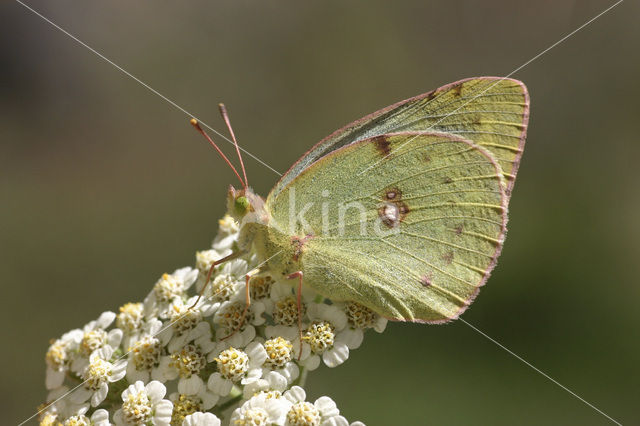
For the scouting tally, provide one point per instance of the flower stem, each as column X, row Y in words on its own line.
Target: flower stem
column 302, row 379
column 236, row 395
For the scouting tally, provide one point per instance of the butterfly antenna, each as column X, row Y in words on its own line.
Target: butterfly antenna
column 195, row 124
column 225, row 117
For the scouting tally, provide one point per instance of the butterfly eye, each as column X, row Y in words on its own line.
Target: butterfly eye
column 242, row 205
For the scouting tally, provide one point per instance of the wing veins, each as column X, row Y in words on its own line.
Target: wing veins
column 435, row 169
column 462, row 98
column 424, row 237
column 473, row 268
column 470, row 124
column 472, row 191
column 363, row 271
column 409, row 274
column 389, row 157
column 479, row 235
column 489, row 206
column 483, row 133
column 429, row 219
column 428, row 264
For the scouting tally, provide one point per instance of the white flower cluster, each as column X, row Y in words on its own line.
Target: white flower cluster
column 170, row 361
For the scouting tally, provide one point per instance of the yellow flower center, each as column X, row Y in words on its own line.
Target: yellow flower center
column 96, row 373
column 320, row 335
column 49, row 419
column 188, row 361
column 222, row 288
column 136, row 409
column 145, row 353
column 233, row 364
column 204, row 259
column 56, row 356
column 303, row 414
column 130, row 317
column 92, row 340
column 260, row 287
column 232, row 318
column 167, row 288
column 360, row 316
column 80, row 420
column 286, row 311
column 253, row 417
column 183, row 406
column 184, row 319
column 278, row 352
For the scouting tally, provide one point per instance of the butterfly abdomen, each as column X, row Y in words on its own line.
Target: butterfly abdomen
column 298, row 246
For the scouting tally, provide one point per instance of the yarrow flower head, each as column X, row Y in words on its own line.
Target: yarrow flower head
column 279, row 369
column 237, row 366
column 59, row 357
column 59, row 407
column 326, row 335
column 93, row 336
column 191, row 407
column 144, row 405
column 226, row 362
column 190, row 361
column 167, row 289
column 54, row 414
column 97, row 376
column 361, row 318
column 146, row 354
column 302, row 413
column 261, row 409
column 130, row 317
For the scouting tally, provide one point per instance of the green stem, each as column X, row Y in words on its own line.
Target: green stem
column 236, row 395
column 302, row 378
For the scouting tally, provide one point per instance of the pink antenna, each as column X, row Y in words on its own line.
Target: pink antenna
column 195, row 124
column 225, row 117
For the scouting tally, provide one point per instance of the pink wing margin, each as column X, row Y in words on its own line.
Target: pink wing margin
column 504, row 202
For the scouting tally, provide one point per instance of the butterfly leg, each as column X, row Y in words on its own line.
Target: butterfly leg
column 298, row 275
column 213, row 265
column 246, row 306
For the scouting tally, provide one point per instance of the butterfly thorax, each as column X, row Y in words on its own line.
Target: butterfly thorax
column 280, row 253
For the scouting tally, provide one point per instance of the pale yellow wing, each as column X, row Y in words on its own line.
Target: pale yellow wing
column 413, row 238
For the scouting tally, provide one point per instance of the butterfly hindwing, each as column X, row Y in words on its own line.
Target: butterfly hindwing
column 492, row 112
column 408, row 224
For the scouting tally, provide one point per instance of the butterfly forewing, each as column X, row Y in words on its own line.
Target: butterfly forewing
column 412, row 237
column 492, row 112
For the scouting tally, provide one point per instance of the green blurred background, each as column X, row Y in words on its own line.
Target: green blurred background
column 104, row 185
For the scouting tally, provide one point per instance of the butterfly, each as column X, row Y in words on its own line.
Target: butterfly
column 403, row 211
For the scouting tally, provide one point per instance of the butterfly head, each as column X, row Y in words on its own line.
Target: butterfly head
column 245, row 206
